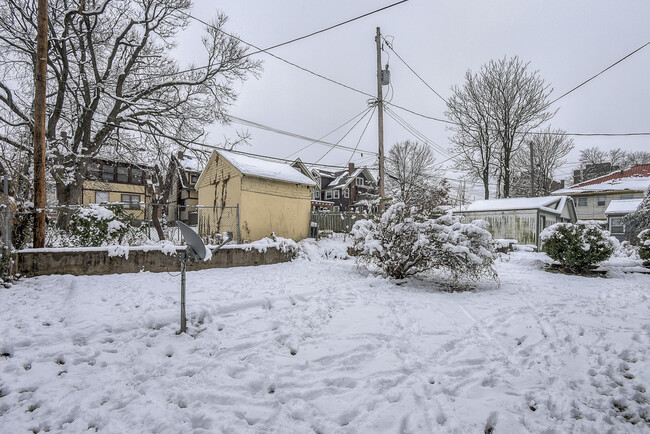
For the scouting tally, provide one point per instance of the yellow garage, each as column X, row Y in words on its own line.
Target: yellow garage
column 269, row 197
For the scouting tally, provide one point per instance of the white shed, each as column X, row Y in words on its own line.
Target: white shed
column 615, row 213
column 520, row 218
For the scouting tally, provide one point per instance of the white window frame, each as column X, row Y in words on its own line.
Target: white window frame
column 356, row 181
column 346, row 193
column 581, row 199
column 336, row 194
column 336, row 209
column 604, row 200
column 627, row 196
column 328, row 194
column 98, row 200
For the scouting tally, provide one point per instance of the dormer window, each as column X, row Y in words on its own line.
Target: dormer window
column 358, row 181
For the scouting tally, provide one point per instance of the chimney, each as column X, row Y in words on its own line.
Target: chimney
column 180, row 155
column 350, row 168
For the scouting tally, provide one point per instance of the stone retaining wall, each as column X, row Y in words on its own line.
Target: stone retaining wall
column 97, row 262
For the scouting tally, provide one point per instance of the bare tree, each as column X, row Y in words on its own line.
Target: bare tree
column 549, row 149
column 502, row 103
column 637, row 157
column 592, row 156
column 469, row 109
column 413, row 177
column 113, row 88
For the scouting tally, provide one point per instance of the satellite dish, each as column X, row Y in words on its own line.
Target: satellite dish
column 196, row 250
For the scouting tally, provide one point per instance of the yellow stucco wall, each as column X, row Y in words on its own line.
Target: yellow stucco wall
column 115, row 191
column 271, row 206
column 265, row 205
column 219, row 186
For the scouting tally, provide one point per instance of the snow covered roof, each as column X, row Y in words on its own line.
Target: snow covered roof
column 260, row 168
column 553, row 204
column 619, row 184
column 624, row 206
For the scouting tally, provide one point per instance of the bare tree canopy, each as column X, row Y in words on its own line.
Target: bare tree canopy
column 493, row 113
column 112, row 84
column 412, row 176
column 548, row 151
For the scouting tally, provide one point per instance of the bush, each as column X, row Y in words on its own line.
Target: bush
column 404, row 242
column 577, row 246
column 644, row 245
column 97, row 225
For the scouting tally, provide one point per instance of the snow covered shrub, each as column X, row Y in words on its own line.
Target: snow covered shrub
column 403, row 242
column 97, row 225
column 644, row 245
column 577, row 246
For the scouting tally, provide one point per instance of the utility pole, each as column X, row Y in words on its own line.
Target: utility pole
column 380, row 122
column 532, row 171
column 39, row 125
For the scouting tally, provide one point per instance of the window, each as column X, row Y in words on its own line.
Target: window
column 131, row 201
column 193, row 178
column 328, row 194
column 358, row 181
column 582, row 201
column 336, row 209
column 136, row 175
column 122, row 174
column 627, row 196
column 616, row 225
column 346, row 193
column 601, row 200
column 316, row 195
column 93, row 170
column 102, row 197
column 108, row 173
column 336, row 194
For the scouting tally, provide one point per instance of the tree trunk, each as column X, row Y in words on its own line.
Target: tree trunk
column 68, row 195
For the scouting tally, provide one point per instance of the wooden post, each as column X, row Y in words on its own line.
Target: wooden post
column 380, row 122
column 532, row 171
column 39, row 125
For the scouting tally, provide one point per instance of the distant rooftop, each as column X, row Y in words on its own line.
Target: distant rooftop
column 634, row 178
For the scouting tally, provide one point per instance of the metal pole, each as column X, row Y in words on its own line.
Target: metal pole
column 183, row 258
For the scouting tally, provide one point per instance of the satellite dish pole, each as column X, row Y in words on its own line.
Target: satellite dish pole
column 195, row 251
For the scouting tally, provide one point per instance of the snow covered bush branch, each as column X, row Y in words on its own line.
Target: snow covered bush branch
column 404, row 242
column 97, row 225
column 577, row 246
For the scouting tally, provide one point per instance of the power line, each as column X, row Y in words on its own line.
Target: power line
column 418, row 135
column 389, row 45
column 591, row 78
column 362, row 133
column 218, row 148
column 290, row 134
column 331, row 132
column 344, row 136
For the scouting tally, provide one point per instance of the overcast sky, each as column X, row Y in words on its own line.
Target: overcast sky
column 567, row 41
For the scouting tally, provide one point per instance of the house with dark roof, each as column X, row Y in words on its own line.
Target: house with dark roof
column 345, row 190
column 594, row 196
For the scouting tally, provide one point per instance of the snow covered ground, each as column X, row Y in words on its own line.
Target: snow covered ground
column 317, row 346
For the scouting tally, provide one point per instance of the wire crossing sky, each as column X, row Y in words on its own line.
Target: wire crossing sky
column 565, row 41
